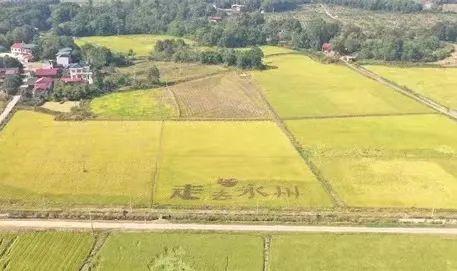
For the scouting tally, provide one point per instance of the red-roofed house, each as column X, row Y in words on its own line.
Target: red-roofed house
column 23, row 50
column 43, row 86
column 5, row 72
column 327, row 47
column 49, row 72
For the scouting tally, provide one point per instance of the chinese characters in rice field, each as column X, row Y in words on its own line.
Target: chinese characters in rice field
column 230, row 188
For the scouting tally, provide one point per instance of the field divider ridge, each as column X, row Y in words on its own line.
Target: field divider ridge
column 155, row 176
column 99, row 242
column 334, row 197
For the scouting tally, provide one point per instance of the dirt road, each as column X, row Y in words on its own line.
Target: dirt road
column 8, row 108
column 16, row 224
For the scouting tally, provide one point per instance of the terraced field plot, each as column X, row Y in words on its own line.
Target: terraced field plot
column 133, row 251
column 363, row 252
column 149, row 104
column 47, row 251
column 46, row 162
column 233, row 164
column 142, row 45
column 298, row 86
column 439, row 84
column 172, row 72
column 395, row 161
column 60, row 107
column 222, row 96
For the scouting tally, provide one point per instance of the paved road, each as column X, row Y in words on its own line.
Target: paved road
column 8, row 108
column 158, row 226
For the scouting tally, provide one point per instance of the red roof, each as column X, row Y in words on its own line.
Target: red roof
column 52, row 72
column 327, row 47
column 17, row 45
column 43, row 84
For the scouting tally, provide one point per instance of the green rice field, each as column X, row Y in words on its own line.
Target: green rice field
column 298, row 86
column 135, row 104
column 142, row 45
column 439, row 84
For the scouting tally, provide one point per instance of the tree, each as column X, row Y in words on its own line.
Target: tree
column 12, row 84
column 153, row 74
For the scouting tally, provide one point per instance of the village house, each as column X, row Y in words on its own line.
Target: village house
column 79, row 73
column 237, row 8
column 47, row 72
column 63, row 57
column 43, row 86
column 23, row 51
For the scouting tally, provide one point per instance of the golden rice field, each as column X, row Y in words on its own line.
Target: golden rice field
column 233, row 164
column 298, row 86
column 395, row 161
column 142, row 45
column 439, row 84
column 47, row 162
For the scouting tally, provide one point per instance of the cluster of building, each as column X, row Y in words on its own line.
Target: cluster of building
column 41, row 78
column 234, row 9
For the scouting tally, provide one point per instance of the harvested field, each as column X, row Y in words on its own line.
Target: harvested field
column 347, row 252
column 49, row 163
column 233, row 164
column 227, row 96
column 439, row 84
column 142, row 45
column 137, row 251
column 172, row 72
column 60, row 107
column 275, row 50
column 149, row 104
column 395, row 161
column 298, row 87
column 47, row 251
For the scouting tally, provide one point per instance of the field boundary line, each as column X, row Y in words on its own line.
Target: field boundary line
column 334, row 197
column 99, row 242
column 157, row 163
column 404, row 90
column 8, row 109
column 4, row 256
column 71, row 225
column 361, row 116
column 267, row 252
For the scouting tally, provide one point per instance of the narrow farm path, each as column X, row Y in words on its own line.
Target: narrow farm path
column 8, row 108
column 44, row 224
column 403, row 90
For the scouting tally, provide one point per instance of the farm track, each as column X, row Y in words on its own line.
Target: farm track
column 145, row 226
column 336, row 200
column 9, row 107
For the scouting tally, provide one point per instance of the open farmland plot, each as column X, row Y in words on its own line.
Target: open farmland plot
column 172, row 72
column 298, row 86
column 133, row 251
column 439, row 84
column 233, row 164
column 47, row 251
column 396, row 161
column 93, row 162
column 136, row 105
column 142, row 45
column 221, row 96
column 363, row 252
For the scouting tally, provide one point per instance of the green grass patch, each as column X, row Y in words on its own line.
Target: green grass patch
column 275, row 50
column 298, row 86
column 401, row 161
column 439, row 84
column 48, row 251
column 135, row 104
column 47, row 162
column 137, row 251
column 256, row 162
column 363, row 252
column 142, row 45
